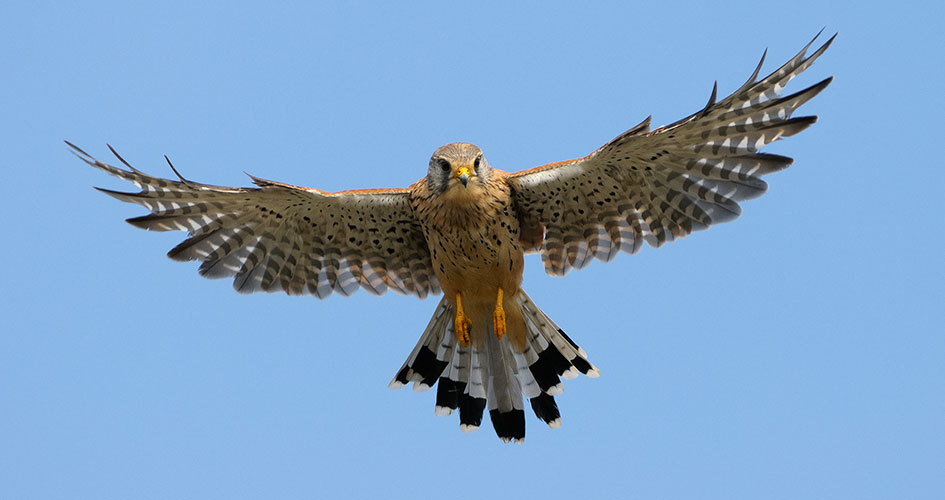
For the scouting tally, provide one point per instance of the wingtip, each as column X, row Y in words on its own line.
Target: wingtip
column 259, row 181
column 822, row 48
column 80, row 153
column 754, row 74
column 812, row 40
column 712, row 97
column 256, row 180
column 122, row 160
column 828, row 42
column 181, row 177
column 824, row 83
column 73, row 146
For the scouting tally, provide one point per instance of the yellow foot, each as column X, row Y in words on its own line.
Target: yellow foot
column 498, row 317
column 461, row 323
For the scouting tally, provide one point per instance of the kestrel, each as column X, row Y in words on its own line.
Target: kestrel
column 464, row 228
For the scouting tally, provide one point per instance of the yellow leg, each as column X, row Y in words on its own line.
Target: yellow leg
column 498, row 317
column 461, row 323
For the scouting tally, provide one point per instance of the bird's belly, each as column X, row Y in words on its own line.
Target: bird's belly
column 476, row 263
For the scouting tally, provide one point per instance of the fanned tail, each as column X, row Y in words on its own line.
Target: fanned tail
column 496, row 373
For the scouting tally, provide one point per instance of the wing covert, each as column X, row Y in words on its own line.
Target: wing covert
column 655, row 186
column 278, row 237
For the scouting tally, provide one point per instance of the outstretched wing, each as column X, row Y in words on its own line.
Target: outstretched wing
column 660, row 185
column 278, row 237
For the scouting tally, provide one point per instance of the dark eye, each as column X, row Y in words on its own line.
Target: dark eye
column 476, row 162
column 444, row 165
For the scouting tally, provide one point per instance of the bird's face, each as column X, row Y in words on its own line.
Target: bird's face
column 458, row 169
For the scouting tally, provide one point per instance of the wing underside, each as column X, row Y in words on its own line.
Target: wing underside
column 655, row 186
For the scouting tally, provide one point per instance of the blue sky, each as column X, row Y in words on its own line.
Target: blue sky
column 796, row 352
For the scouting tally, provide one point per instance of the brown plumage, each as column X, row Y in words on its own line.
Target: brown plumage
column 464, row 229
column 472, row 231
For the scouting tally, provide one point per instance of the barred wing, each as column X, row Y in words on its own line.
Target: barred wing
column 660, row 185
column 278, row 237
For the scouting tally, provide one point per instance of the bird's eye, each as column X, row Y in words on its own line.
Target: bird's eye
column 476, row 162
column 444, row 165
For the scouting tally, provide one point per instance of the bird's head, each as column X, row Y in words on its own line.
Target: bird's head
column 458, row 167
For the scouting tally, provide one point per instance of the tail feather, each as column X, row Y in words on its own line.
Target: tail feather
column 505, row 393
column 538, row 321
column 424, row 364
column 546, row 408
column 509, row 426
column 448, row 392
column 476, row 384
column 526, row 379
column 473, row 401
column 495, row 374
column 470, row 412
column 450, row 388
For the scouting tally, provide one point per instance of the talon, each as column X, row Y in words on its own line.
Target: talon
column 498, row 317
column 461, row 323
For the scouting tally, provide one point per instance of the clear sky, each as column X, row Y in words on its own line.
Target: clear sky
column 797, row 352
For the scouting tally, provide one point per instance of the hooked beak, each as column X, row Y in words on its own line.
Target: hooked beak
column 463, row 175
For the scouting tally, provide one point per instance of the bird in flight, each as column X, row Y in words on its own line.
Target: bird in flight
column 464, row 228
